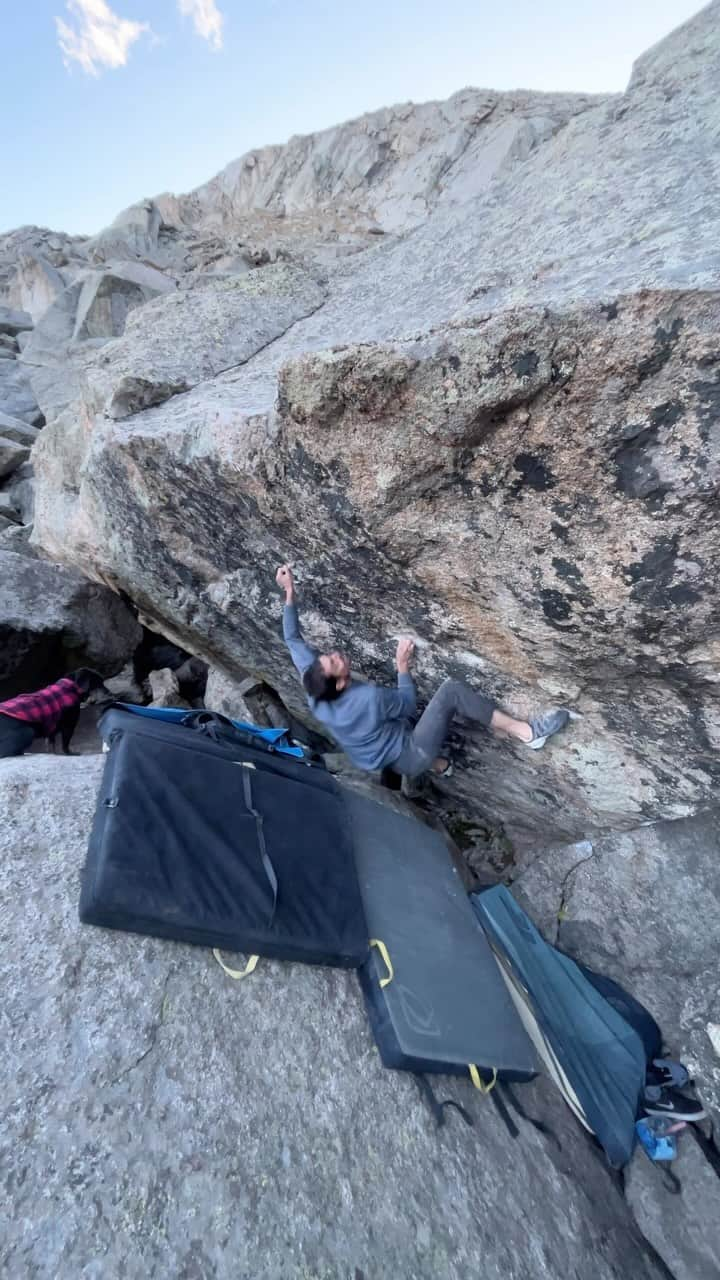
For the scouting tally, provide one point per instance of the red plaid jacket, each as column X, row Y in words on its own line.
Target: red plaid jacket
column 45, row 707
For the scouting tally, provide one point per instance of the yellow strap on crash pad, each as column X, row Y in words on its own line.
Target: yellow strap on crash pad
column 377, row 942
column 237, row 974
column 478, row 1080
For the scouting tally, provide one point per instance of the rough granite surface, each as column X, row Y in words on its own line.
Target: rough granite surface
column 459, row 362
column 159, row 1119
column 495, row 427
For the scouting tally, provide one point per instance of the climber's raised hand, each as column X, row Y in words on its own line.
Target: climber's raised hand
column 285, row 580
column 405, row 651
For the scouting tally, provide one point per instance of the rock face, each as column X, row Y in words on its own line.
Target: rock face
column 13, row 322
column 17, row 399
column 575, row 449
column 228, row 696
column 107, row 298
column 124, row 687
column 12, row 454
column 223, row 324
column 458, row 362
column 20, row 419
column 15, row 537
column 515, row 456
column 35, row 265
column 20, row 490
column 16, row 395
column 389, row 169
column 16, row 429
column 565, row 464
column 52, row 620
column 165, row 689
column 168, row 1121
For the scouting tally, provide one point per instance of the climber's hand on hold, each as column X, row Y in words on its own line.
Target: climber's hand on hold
column 286, row 582
column 403, row 656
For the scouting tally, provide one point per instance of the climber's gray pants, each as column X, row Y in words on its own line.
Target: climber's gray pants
column 425, row 743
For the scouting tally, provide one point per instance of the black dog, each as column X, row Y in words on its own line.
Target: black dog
column 88, row 681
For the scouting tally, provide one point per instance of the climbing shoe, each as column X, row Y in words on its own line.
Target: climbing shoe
column 545, row 726
column 659, row 1101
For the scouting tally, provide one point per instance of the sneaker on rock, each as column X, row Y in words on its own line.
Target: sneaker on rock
column 658, row 1101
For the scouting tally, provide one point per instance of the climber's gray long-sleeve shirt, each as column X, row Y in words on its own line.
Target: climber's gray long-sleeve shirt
column 367, row 721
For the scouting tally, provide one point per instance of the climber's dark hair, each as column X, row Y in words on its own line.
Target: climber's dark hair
column 319, row 686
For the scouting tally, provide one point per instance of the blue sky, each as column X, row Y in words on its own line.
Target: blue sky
column 122, row 99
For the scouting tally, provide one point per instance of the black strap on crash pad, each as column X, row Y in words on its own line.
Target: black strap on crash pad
column 219, row 728
column 264, row 855
column 438, row 1108
column 519, row 1110
column 499, row 1104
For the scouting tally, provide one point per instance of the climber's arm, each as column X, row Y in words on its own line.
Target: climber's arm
column 300, row 652
column 400, row 703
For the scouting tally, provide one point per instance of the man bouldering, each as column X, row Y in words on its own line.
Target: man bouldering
column 371, row 723
column 52, row 710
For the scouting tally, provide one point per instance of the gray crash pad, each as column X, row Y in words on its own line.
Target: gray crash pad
column 446, row 1005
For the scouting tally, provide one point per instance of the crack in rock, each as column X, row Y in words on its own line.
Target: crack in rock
column 159, row 1022
column 566, row 887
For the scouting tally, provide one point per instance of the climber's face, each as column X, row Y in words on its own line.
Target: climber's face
column 336, row 664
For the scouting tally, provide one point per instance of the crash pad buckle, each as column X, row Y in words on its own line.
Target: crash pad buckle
column 478, row 1080
column 237, row 974
column 377, row 942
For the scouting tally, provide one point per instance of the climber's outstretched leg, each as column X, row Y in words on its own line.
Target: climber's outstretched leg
column 454, row 698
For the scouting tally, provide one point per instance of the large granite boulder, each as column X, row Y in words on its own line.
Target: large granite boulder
column 8, row 510
column 229, row 696
column 13, row 321
column 177, row 342
column 523, row 496
column 170, row 340
column 36, row 283
column 17, row 398
column 160, row 1119
column 93, row 308
column 19, row 490
column 133, row 233
column 107, row 298
column 52, row 619
column 165, row 689
column 35, row 265
column 18, row 430
column 12, row 455
column 16, row 537
column 513, row 456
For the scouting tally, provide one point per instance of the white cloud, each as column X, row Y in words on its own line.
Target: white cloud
column 207, row 19
column 99, row 38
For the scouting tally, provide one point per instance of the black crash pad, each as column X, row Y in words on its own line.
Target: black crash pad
column 176, row 851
